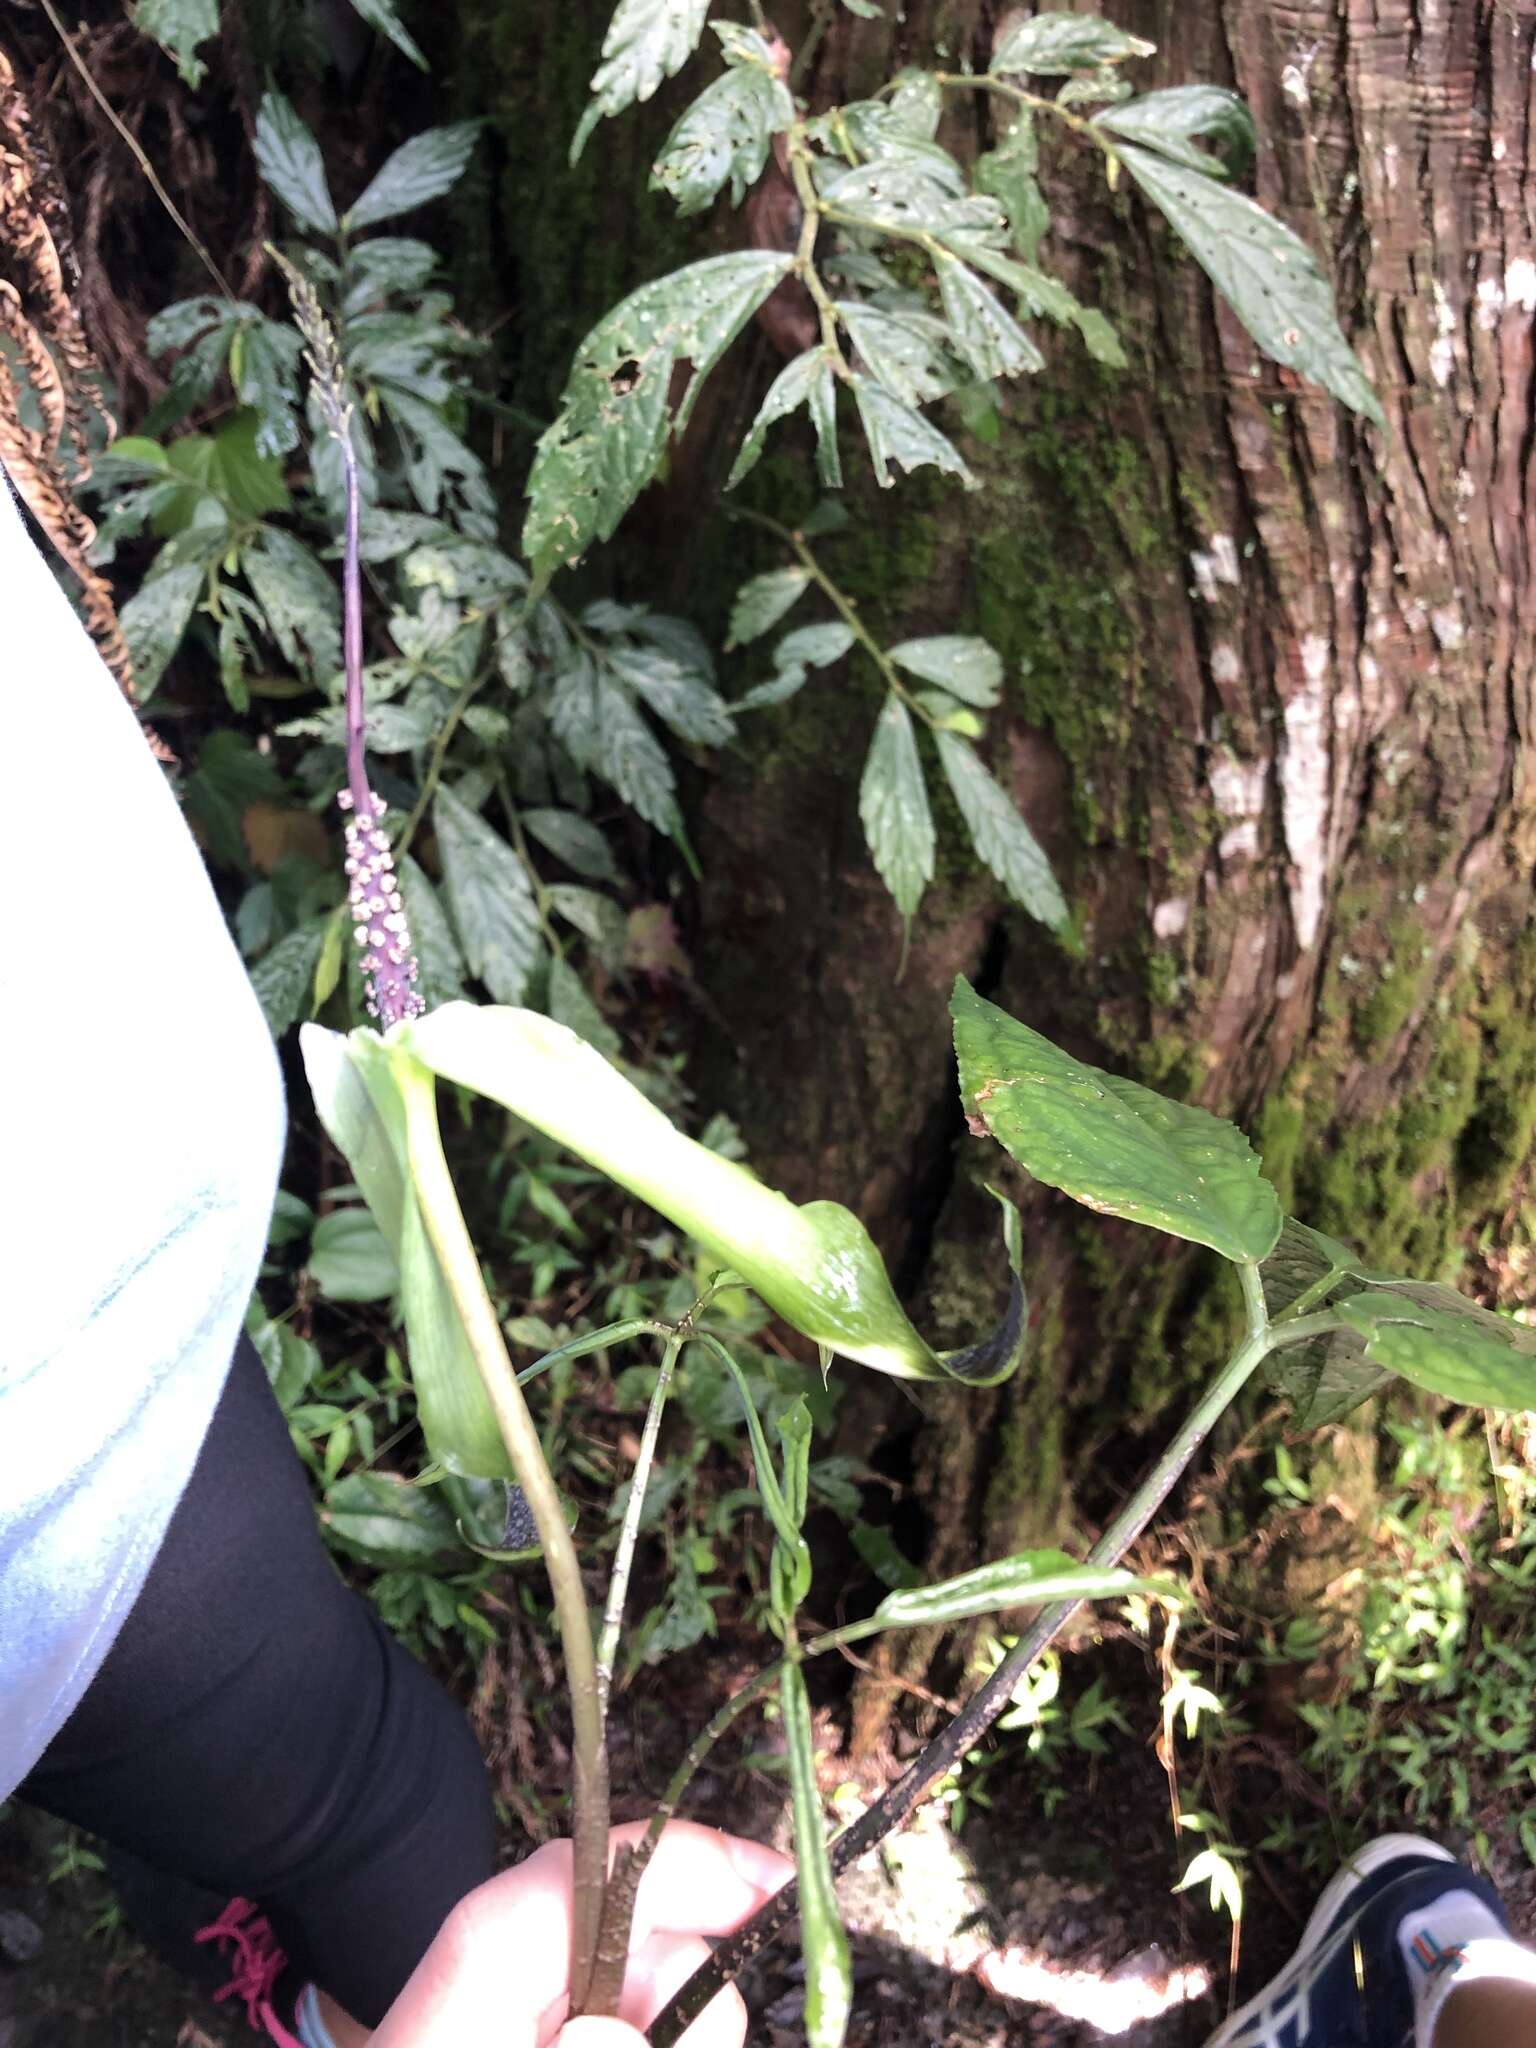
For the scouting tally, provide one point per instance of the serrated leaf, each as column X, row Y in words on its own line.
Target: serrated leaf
column 285, row 975
column 573, row 839
column 647, row 41
column 299, row 599
column 597, row 724
column 570, row 1004
column 984, row 331
column 180, row 27
column 617, row 413
column 1170, row 122
column 779, row 688
column 154, row 620
column 725, row 136
column 1002, row 840
column 1446, row 1344
column 1009, row 174
column 806, row 381
column 906, row 351
column 893, row 807
column 961, row 663
column 381, row 14
column 421, row 169
column 679, row 696
column 814, row 646
column 438, row 958
column 762, row 602
column 489, row 898
column 289, row 160
column 1110, row 1143
column 1052, row 44
column 897, row 434
column 1267, row 275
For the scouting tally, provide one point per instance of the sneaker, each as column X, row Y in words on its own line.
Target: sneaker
column 243, row 1934
column 1387, row 1926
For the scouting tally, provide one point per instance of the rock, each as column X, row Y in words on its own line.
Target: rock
column 21, row 1938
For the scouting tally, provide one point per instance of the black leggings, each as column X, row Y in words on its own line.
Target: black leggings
column 256, row 1729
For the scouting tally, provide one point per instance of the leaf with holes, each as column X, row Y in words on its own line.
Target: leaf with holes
column 806, row 381
column 289, row 160
column 896, row 434
column 893, row 807
column 907, row 352
column 1000, row 836
column 1109, row 1143
column 1267, row 275
column 489, row 898
column 647, row 41
column 984, row 331
column 1052, row 44
column 617, row 414
column 725, row 136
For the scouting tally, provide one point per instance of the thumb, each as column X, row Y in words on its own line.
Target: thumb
column 593, row 2033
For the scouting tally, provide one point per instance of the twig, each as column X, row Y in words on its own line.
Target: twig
column 988, row 1702
column 624, row 1556
column 137, row 149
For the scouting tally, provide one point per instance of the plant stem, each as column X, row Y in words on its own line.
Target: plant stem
column 624, row 1556
column 989, row 1701
column 811, row 214
column 450, row 1241
column 435, row 760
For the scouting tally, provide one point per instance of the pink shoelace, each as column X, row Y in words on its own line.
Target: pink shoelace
column 256, row 1963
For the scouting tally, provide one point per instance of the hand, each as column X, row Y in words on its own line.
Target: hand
column 499, row 1968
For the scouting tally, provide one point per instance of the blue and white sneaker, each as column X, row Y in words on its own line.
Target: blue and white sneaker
column 1388, row 1931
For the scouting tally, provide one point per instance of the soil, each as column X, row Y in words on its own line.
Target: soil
column 1023, row 1929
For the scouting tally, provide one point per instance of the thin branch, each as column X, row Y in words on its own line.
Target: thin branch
column 629, row 1534
column 137, row 150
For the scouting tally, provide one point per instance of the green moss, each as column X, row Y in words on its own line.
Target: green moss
column 1399, row 987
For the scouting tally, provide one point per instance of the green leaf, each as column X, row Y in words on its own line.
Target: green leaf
column 617, row 411
column 1052, row 44
column 489, row 898
column 647, row 41
column 828, row 1965
column 349, row 1259
column 1269, row 277
column 180, row 27
column 153, row 621
column 597, row 724
column 806, row 381
column 814, row 646
column 437, row 950
column 420, row 170
column 763, row 601
column 985, row 332
column 290, row 1361
column 569, row 1003
column 264, row 360
column 779, row 688
column 1027, row 1579
column 968, row 667
column 299, row 599
column 1330, row 1375
column 726, row 134
column 394, row 1526
column 815, row 1265
column 1009, row 174
column 284, row 976
column 1002, row 840
column 381, row 14
column 916, row 103
column 893, row 806
column 573, row 839
column 1109, row 1143
column 677, row 692
column 897, row 434
column 906, row 352
column 1442, row 1342
column 289, row 160
column 1170, row 122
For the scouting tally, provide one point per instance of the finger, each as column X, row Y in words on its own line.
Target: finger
column 599, row 2034
column 659, row 1969
column 701, row 1881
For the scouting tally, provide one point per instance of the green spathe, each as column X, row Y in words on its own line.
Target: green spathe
column 1027, row 1579
column 1111, row 1144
